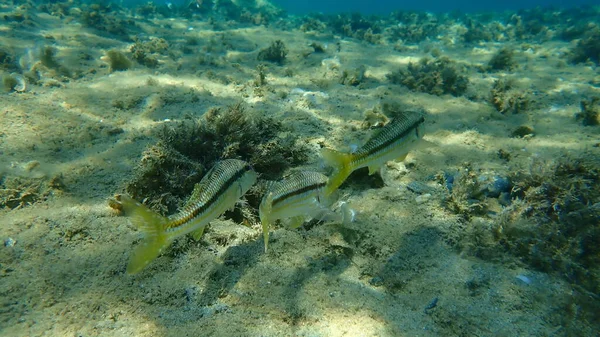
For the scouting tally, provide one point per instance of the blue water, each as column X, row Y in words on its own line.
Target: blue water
column 386, row 6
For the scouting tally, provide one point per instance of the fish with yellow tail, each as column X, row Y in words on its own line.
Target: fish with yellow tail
column 393, row 142
column 297, row 198
column 217, row 192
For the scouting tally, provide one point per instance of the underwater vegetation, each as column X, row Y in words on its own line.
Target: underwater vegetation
column 436, row 77
column 587, row 48
column 7, row 60
column 275, row 53
column 502, row 60
column 590, row 112
column 100, row 16
column 168, row 170
column 506, row 97
column 555, row 225
column 142, row 51
column 353, row 77
column 117, row 61
column 550, row 218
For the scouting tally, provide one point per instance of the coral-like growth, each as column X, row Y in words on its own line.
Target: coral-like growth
column 503, row 60
column 590, row 112
column 506, row 98
column 436, row 77
column 276, row 53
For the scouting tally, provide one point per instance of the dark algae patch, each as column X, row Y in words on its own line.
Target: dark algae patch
column 590, row 112
column 550, row 221
column 186, row 150
column 275, row 53
column 434, row 76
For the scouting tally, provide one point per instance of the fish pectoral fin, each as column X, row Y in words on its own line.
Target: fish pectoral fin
column 197, row 234
column 423, row 144
column 295, row 222
column 401, row 158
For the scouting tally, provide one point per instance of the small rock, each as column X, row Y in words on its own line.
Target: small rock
column 423, row 198
column 376, row 281
column 10, row 242
column 418, row 187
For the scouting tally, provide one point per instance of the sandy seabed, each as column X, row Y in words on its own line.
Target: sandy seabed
column 67, row 145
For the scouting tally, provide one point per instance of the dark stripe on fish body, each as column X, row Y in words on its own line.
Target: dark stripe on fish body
column 298, row 192
column 395, row 130
column 195, row 211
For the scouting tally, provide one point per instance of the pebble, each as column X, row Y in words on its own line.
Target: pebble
column 523, row 279
column 423, row 198
column 376, row 281
column 21, row 84
column 10, row 242
column 432, row 304
column 418, row 187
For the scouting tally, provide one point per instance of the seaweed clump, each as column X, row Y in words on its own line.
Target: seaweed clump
column 117, row 61
column 477, row 32
column 508, row 99
column 7, row 60
column 412, row 27
column 353, row 77
column 590, row 112
column 587, row 49
column 143, row 52
column 356, row 26
column 48, row 59
column 98, row 16
column 185, row 150
column 466, row 196
column 502, row 60
column 549, row 222
column 275, row 53
column 436, row 77
column 553, row 223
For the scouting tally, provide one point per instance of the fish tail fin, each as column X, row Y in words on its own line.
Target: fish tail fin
column 146, row 252
column 264, row 212
column 151, row 224
column 341, row 168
